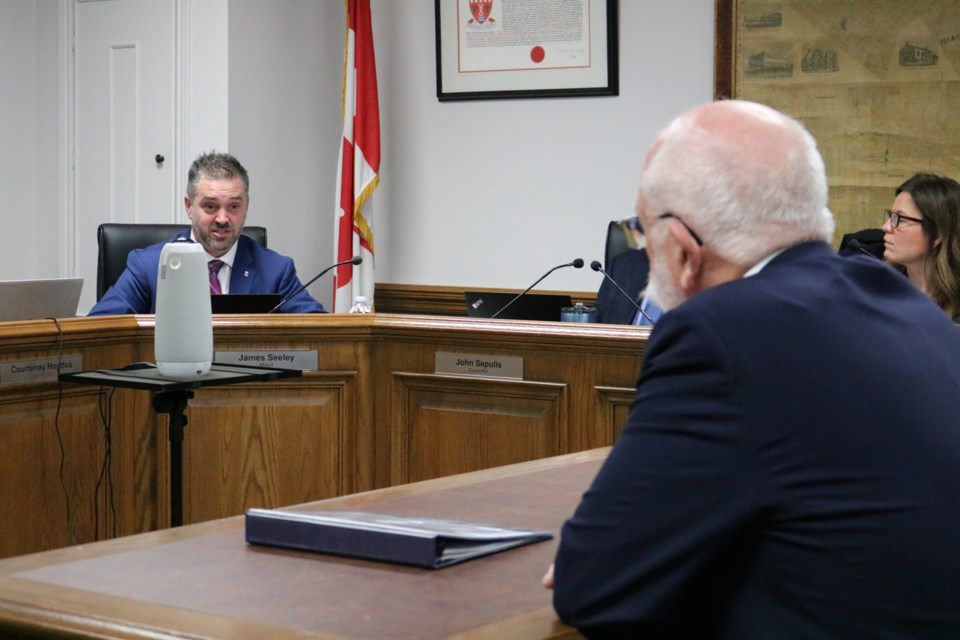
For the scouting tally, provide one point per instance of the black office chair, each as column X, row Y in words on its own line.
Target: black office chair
column 619, row 239
column 870, row 241
column 115, row 240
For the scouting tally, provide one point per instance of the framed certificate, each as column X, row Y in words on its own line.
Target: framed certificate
column 495, row 49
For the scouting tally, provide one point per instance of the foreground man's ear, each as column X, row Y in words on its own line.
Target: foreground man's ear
column 686, row 259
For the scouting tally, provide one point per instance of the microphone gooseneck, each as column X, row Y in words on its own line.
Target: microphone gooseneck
column 596, row 266
column 354, row 260
column 576, row 264
column 856, row 245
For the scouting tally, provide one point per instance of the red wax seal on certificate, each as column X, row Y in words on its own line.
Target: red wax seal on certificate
column 537, row 54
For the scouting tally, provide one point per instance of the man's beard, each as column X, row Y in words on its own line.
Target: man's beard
column 216, row 244
column 661, row 288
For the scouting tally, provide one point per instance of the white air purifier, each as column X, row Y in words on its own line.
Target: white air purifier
column 183, row 341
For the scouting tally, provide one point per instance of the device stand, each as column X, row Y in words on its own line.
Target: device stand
column 171, row 397
column 174, row 403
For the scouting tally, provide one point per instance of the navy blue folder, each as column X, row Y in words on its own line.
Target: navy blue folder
column 411, row 540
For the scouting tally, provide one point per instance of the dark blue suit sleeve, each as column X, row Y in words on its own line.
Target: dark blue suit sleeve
column 676, row 490
column 134, row 291
column 257, row 269
column 303, row 302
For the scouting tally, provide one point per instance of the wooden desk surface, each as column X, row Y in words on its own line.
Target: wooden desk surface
column 204, row 581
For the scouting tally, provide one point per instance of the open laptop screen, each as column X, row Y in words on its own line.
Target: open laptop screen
column 532, row 306
column 37, row 299
column 244, row 302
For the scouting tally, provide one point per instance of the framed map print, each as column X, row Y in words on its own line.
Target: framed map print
column 877, row 82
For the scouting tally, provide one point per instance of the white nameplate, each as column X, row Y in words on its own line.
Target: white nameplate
column 39, row 370
column 299, row 360
column 478, row 364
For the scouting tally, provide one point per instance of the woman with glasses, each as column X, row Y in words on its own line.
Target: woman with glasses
column 922, row 237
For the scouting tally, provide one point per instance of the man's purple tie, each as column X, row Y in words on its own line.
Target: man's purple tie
column 214, row 267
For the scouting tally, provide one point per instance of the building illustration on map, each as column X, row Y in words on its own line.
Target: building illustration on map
column 764, row 20
column 816, row 60
column 764, row 65
column 913, row 56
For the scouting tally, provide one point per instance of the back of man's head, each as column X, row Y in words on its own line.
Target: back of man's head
column 748, row 178
column 215, row 166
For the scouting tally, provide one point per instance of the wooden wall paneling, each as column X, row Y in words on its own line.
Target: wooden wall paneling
column 33, row 505
column 442, row 425
column 591, row 374
column 346, row 356
column 375, row 413
column 141, row 470
column 577, row 357
column 267, row 445
column 444, row 300
column 612, row 408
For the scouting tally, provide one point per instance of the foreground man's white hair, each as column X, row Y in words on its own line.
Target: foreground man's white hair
column 746, row 177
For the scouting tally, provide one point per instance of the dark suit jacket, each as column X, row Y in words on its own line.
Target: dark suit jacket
column 628, row 269
column 789, row 468
column 255, row 270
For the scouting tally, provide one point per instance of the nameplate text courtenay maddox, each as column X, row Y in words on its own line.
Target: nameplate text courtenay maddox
column 478, row 364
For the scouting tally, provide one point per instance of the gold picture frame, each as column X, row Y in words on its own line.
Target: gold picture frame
column 877, row 82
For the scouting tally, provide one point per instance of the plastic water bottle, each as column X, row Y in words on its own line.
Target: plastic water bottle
column 360, row 305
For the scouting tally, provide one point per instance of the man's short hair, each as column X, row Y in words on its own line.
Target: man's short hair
column 215, row 166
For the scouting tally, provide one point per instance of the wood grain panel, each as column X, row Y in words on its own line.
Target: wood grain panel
column 34, row 509
column 445, row 425
column 93, row 501
column 613, row 407
column 373, row 415
column 265, row 445
column 443, row 301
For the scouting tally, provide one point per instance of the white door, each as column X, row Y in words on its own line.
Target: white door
column 124, row 79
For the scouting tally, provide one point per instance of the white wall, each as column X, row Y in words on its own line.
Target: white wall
column 286, row 68
column 494, row 193
column 205, row 102
column 485, row 194
column 48, row 262
column 18, row 131
column 480, row 194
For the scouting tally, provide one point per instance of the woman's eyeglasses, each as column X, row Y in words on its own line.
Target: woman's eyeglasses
column 895, row 218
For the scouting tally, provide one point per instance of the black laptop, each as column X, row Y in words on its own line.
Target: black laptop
column 532, row 306
column 244, row 302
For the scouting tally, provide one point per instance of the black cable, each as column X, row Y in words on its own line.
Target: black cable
column 113, row 505
column 56, row 426
column 105, row 406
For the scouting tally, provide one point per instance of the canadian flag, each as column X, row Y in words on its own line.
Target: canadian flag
column 358, row 173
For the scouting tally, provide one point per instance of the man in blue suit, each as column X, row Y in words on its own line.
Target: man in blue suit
column 218, row 196
column 629, row 270
column 789, row 468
